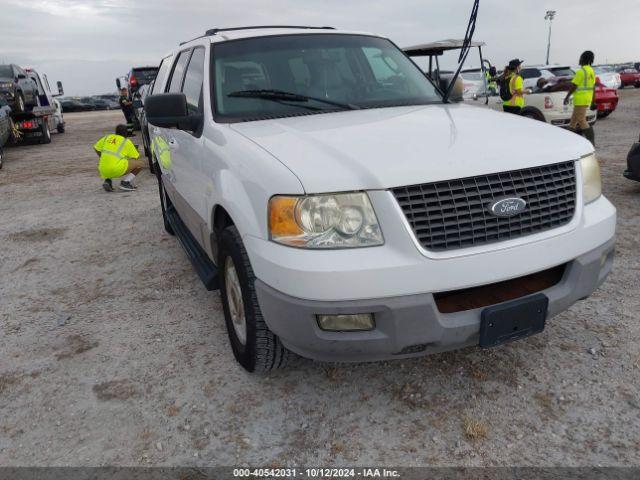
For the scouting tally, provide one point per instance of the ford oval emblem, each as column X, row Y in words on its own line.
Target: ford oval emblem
column 507, row 207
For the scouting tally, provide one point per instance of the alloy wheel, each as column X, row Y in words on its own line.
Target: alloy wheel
column 235, row 301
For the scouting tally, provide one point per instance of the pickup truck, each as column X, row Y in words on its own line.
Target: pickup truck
column 347, row 211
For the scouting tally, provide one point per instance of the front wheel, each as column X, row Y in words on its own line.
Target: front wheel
column 254, row 346
column 20, row 106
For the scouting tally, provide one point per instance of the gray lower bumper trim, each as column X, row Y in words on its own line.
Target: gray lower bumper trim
column 410, row 325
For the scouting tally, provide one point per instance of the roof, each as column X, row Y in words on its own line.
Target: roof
column 223, row 35
column 438, row 48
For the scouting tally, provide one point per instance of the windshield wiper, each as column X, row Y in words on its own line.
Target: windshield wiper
column 279, row 95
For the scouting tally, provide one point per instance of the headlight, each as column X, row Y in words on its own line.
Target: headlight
column 6, row 86
column 591, row 181
column 341, row 220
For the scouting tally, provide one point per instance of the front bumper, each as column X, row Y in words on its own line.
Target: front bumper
column 408, row 326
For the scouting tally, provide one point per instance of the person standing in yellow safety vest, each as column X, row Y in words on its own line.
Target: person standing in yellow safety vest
column 516, row 88
column 118, row 158
column 583, row 89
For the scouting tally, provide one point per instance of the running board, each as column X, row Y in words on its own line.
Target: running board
column 201, row 262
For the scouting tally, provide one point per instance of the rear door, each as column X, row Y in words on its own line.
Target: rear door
column 177, row 143
column 192, row 143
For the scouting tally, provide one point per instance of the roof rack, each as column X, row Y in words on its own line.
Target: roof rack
column 213, row 31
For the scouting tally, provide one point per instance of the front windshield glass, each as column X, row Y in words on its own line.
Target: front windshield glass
column 324, row 72
column 472, row 76
column 5, row 71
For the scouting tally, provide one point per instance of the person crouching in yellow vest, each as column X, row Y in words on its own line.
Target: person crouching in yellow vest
column 583, row 91
column 118, row 158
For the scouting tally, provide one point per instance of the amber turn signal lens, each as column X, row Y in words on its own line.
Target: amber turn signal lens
column 282, row 217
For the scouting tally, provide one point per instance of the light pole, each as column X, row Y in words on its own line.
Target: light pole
column 550, row 15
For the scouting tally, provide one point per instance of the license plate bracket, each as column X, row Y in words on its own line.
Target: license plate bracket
column 513, row 320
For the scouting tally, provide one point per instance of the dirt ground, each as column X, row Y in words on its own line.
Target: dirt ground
column 113, row 353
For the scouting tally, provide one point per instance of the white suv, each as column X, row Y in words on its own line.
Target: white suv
column 346, row 213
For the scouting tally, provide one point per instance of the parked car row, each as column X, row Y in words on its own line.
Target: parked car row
column 85, row 104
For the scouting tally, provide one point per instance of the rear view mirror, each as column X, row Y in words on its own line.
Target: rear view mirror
column 169, row 110
column 118, row 83
column 21, row 76
column 60, row 89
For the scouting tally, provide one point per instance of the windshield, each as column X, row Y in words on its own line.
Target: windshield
column 472, row 76
column 318, row 72
column 5, row 71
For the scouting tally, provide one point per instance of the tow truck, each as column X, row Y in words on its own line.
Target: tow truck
column 37, row 123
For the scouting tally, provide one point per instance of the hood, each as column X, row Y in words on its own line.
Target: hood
column 390, row 147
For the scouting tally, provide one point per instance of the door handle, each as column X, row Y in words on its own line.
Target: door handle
column 173, row 143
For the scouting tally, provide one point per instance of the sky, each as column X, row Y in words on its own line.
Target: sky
column 86, row 44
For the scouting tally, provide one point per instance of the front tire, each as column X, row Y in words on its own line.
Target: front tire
column 254, row 346
column 20, row 105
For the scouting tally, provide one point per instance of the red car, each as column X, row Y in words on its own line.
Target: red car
column 606, row 99
column 629, row 76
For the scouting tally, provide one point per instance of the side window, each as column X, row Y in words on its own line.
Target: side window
column 46, row 82
column 162, row 75
column 178, row 72
column 193, row 81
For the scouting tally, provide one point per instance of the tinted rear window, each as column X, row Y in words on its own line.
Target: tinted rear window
column 145, row 75
column 562, row 72
column 5, row 71
column 530, row 73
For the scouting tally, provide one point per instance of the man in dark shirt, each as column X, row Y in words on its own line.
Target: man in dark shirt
column 126, row 105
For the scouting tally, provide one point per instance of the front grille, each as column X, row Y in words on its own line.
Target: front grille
column 455, row 214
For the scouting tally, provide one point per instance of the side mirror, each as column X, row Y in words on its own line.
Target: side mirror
column 21, row 76
column 60, row 89
column 169, row 110
column 118, row 83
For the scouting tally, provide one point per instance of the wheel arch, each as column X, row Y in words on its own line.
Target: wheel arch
column 533, row 112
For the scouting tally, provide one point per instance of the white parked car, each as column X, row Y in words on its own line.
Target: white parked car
column 473, row 82
column 346, row 213
column 531, row 75
column 608, row 77
column 547, row 107
column 57, row 119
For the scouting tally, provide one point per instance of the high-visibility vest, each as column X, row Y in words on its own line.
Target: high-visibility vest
column 583, row 96
column 516, row 101
column 490, row 85
column 113, row 146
